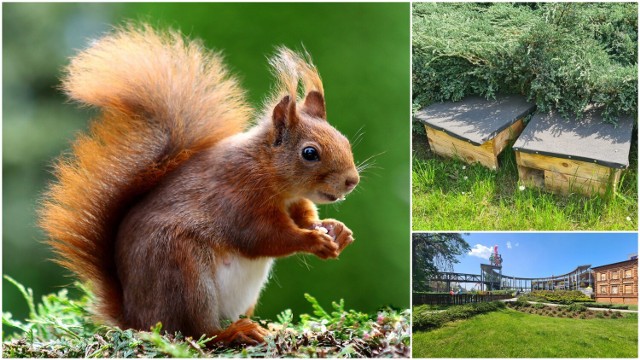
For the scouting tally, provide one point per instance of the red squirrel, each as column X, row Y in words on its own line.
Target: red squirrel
column 173, row 207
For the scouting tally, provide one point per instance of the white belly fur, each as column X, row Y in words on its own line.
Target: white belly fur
column 239, row 281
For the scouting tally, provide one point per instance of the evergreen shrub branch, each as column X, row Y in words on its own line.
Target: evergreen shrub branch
column 59, row 326
column 562, row 56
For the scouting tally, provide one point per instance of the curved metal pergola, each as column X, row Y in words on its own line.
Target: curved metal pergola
column 491, row 278
column 572, row 280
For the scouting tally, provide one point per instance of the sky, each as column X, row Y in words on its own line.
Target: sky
column 546, row 254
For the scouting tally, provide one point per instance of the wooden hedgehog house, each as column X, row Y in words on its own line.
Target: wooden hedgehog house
column 563, row 156
column 475, row 129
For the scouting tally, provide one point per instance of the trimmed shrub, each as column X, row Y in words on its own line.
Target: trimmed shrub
column 562, row 56
column 521, row 303
column 428, row 321
column 607, row 306
column 563, row 297
column 577, row 308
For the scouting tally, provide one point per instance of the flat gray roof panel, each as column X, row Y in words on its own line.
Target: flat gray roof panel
column 589, row 139
column 475, row 119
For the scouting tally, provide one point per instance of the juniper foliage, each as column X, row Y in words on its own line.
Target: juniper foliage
column 562, row 56
column 62, row 327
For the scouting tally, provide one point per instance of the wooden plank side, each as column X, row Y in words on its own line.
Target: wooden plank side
column 448, row 146
column 531, row 177
column 565, row 166
column 506, row 135
column 565, row 184
column 461, row 152
column 615, row 178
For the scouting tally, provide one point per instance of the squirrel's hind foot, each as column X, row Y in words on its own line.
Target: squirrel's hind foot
column 243, row 331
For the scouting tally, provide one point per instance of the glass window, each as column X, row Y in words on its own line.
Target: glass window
column 603, row 289
column 628, row 289
column 614, row 290
column 627, row 273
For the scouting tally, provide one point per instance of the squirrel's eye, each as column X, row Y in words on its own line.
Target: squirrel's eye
column 310, row 154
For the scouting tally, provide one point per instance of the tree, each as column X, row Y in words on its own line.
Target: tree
column 433, row 253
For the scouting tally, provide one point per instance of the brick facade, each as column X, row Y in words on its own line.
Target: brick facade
column 617, row 283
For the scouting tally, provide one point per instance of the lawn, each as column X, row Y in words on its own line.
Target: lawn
column 451, row 195
column 509, row 333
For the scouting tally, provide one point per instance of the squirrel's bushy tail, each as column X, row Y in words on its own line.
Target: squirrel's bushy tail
column 162, row 98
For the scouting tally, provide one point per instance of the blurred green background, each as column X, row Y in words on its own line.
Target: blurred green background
column 362, row 52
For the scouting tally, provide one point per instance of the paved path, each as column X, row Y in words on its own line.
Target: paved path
column 590, row 308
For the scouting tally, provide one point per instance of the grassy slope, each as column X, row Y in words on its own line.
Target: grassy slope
column 511, row 333
column 450, row 195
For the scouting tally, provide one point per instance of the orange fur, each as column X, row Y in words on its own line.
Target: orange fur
column 166, row 207
column 242, row 331
column 147, row 128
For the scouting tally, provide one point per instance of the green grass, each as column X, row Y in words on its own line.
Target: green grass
column 59, row 326
column 509, row 333
column 451, row 195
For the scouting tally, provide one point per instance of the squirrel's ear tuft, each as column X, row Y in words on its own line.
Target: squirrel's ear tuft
column 280, row 112
column 284, row 116
column 314, row 105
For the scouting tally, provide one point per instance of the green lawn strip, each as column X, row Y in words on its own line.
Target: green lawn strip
column 450, row 194
column 509, row 333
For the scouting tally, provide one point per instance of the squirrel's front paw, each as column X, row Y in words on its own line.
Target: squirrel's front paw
column 341, row 234
column 322, row 245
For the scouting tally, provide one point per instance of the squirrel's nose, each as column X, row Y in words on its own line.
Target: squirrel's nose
column 351, row 182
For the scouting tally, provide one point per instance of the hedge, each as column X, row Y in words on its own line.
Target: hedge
column 557, row 296
column 429, row 320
